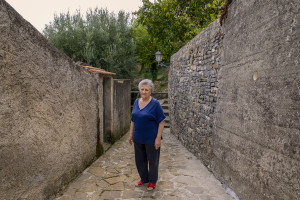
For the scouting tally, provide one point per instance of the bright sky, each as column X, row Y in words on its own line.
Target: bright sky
column 41, row 12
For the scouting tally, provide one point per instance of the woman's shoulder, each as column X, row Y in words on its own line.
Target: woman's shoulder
column 155, row 101
column 136, row 101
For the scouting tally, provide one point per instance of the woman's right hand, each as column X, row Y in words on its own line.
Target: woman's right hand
column 130, row 140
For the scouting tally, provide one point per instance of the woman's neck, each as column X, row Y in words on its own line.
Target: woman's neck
column 146, row 99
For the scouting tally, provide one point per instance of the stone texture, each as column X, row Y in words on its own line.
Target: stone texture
column 48, row 112
column 111, row 194
column 191, row 181
column 117, row 187
column 98, row 171
column 257, row 129
column 51, row 112
column 131, row 194
column 65, row 198
column 192, row 90
column 239, row 110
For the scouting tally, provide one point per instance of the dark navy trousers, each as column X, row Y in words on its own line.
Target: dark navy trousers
column 147, row 161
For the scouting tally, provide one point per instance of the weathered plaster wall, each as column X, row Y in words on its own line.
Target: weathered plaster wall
column 48, row 113
column 257, row 126
column 108, row 84
column 121, row 108
column 254, row 140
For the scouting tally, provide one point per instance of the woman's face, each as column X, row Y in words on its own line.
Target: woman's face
column 145, row 91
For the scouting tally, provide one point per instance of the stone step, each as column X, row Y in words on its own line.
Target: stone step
column 167, row 119
column 165, row 106
column 166, row 111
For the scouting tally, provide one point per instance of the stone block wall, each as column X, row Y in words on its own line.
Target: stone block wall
column 121, row 108
column 159, row 95
column 193, row 88
column 48, row 113
column 253, row 135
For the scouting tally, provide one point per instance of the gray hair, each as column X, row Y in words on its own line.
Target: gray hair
column 146, row 82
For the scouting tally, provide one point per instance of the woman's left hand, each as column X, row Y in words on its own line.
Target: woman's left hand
column 157, row 143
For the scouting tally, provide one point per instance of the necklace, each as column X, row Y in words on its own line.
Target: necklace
column 143, row 103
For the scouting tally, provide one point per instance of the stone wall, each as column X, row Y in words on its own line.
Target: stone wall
column 192, row 90
column 252, row 138
column 48, row 113
column 257, row 127
column 159, row 95
column 121, row 108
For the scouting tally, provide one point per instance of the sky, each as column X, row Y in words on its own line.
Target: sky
column 41, row 12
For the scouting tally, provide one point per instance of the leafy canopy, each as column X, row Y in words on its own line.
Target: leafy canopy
column 100, row 39
column 169, row 24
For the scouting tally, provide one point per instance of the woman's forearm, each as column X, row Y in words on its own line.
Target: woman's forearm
column 159, row 134
column 160, row 129
column 131, row 128
column 131, row 132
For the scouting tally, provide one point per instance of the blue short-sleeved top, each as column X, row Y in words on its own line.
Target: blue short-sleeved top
column 146, row 121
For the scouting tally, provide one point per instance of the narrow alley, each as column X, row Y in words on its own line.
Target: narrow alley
column 113, row 175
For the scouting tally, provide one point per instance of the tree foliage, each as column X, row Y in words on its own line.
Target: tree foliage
column 100, row 39
column 169, row 24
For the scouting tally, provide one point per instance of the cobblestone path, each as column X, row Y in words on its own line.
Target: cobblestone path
column 113, row 175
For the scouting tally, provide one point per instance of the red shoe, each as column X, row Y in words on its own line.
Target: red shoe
column 140, row 183
column 151, row 186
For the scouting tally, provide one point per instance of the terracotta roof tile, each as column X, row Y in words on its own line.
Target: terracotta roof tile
column 95, row 69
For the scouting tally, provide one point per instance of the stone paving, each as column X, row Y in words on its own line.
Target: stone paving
column 113, row 175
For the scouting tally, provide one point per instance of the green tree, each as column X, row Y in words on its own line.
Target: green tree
column 100, row 39
column 145, row 48
column 169, row 24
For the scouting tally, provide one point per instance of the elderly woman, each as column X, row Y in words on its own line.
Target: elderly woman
column 147, row 124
